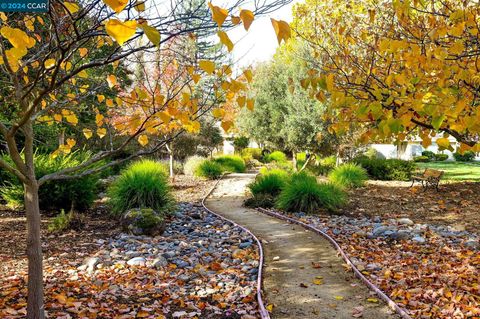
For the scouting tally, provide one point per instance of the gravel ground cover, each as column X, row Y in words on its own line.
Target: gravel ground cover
column 431, row 270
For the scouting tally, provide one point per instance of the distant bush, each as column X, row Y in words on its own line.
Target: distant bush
column 421, row 159
column 305, row 194
column 372, row 153
column 387, row 169
column 177, row 167
column 191, row 164
column 276, row 156
column 59, row 194
column 231, row 163
column 349, row 175
column 429, row 154
column 441, row 157
column 467, row 156
column 143, row 184
column 241, row 143
column 251, row 153
column 209, row 169
column 271, row 184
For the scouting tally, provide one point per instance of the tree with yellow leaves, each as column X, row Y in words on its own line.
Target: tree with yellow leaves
column 400, row 68
column 46, row 74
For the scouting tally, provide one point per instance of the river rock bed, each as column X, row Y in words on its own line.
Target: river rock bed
column 201, row 267
column 430, row 270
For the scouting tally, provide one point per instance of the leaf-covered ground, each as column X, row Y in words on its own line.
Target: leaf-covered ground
column 434, row 271
column 456, row 204
column 200, row 268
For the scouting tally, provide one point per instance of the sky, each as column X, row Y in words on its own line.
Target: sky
column 260, row 42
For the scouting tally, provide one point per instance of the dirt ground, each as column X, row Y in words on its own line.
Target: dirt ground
column 304, row 277
column 74, row 245
column 455, row 204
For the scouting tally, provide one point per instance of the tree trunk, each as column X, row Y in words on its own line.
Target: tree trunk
column 35, row 306
column 294, row 161
column 172, row 173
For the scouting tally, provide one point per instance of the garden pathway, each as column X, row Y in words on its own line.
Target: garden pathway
column 290, row 255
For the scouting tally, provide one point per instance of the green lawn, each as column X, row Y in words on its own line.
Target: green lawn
column 455, row 171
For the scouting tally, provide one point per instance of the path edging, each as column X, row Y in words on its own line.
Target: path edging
column 391, row 304
column 264, row 314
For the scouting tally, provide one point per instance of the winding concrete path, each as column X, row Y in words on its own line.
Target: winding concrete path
column 290, row 253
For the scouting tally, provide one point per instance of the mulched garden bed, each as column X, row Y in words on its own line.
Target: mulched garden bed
column 199, row 268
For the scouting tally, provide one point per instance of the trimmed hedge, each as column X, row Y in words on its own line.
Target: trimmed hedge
column 387, row 169
column 441, row 157
column 467, row 156
column 421, row 159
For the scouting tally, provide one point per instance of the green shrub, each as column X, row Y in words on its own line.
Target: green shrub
column 372, row 153
column 305, row 194
column 60, row 222
column 429, row 154
column 285, row 174
column 241, row 143
column 467, row 156
column 441, row 157
column 271, row 184
column 421, row 159
column 251, row 153
column 349, row 175
column 191, row 164
column 143, row 184
column 60, row 194
column 6, row 177
column 231, row 163
column 209, row 169
column 387, row 169
column 276, row 156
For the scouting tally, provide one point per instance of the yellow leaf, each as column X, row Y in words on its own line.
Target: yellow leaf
column 225, row 40
column 196, row 78
column 112, row 80
column 101, row 132
column 152, row 34
column 207, row 66
column 109, row 102
column 100, row 98
column 338, row 297
column 241, row 101
column 218, row 113
column 18, row 38
column 247, row 18
column 235, row 20
column 218, row 14
column 269, row 307
column 282, row 30
column 71, row 7
column 99, row 119
column 139, row 6
column 50, row 63
column 143, row 140
column 57, row 117
column 88, row 133
column 83, row 52
column 83, row 74
column 250, row 104
column 226, row 125
column 443, row 143
column 72, row 119
column 71, row 142
column 374, row 300
column 248, row 75
column 317, row 281
column 116, row 5
column 121, row 31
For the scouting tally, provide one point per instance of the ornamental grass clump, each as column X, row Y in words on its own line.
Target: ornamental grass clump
column 305, row 194
column 276, row 156
column 191, row 164
column 231, row 163
column 143, row 184
column 271, row 184
column 209, row 169
column 349, row 175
